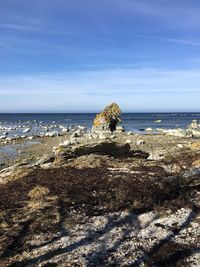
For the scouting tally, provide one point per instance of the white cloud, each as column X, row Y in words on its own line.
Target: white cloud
column 138, row 89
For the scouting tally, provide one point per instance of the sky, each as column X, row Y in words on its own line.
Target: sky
column 80, row 55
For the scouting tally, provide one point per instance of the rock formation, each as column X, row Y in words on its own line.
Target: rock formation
column 108, row 118
column 194, row 125
column 101, row 148
column 194, row 129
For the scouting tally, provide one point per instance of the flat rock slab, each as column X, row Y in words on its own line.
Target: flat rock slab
column 103, row 148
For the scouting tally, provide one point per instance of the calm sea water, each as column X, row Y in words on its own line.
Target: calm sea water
column 131, row 121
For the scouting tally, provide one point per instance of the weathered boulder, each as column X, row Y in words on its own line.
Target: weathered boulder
column 195, row 146
column 120, row 129
column 156, row 155
column 193, row 132
column 191, row 178
column 174, row 132
column 102, row 148
column 193, row 129
column 46, row 158
column 194, row 125
column 108, row 119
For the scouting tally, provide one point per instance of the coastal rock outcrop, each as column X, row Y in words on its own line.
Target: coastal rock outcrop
column 102, row 148
column 194, row 125
column 108, row 119
column 194, row 129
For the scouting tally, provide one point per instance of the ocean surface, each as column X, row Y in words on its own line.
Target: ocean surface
column 131, row 121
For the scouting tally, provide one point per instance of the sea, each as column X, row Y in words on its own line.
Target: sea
column 136, row 122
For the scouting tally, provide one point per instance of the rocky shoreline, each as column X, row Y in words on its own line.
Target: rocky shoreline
column 101, row 198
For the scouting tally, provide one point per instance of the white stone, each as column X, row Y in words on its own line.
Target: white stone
column 148, row 129
column 26, row 130
column 180, row 145
column 102, row 136
column 120, row 129
column 193, row 132
column 81, row 127
column 65, row 143
column 77, row 133
column 65, row 130
column 140, row 142
column 51, row 134
column 155, row 155
column 175, row 132
column 73, row 141
column 194, row 124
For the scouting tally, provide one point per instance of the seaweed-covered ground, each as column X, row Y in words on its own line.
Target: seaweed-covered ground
column 100, row 210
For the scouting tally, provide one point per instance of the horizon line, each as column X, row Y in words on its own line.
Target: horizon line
column 92, row 112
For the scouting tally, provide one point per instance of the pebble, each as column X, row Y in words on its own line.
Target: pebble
column 149, row 129
column 65, row 143
column 180, row 145
column 140, row 142
column 26, row 130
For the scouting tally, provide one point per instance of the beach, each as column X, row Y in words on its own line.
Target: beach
column 99, row 133
column 82, row 197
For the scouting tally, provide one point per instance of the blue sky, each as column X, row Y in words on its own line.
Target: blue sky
column 80, row 55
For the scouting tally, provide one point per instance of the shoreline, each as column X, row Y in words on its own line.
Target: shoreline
column 100, row 199
column 14, row 150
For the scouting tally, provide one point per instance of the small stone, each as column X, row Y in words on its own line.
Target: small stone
column 73, row 141
column 180, row 145
column 102, row 136
column 148, row 129
column 65, row 143
column 140, row 142
column 26, row 130
column 120, row 129
column 156, row 155
column 77, row 133
column 65, row 130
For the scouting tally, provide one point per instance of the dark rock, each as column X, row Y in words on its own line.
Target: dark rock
column 102, row 148
column 46, row 158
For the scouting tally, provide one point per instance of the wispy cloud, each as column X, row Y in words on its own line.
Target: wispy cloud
column 179, row 41
column 38, row 29
column 20, row 27
column 188, row 41
column 134, row 89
